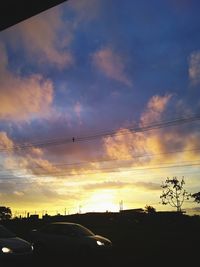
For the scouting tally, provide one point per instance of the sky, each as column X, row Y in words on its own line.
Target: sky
column 82, row 86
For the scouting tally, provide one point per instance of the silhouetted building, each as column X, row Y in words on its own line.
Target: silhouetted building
column 131, row 211
column 34, row 217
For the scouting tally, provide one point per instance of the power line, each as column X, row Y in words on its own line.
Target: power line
column 104, row 160
column 33, row 180
column 59, row 141
column 108, row 170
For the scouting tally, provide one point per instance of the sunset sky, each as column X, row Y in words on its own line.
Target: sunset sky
column 75, row 82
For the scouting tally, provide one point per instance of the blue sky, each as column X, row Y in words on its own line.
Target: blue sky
column 85, row 67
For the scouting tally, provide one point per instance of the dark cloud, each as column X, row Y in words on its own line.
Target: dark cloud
column 148, row 186
column 120, row 184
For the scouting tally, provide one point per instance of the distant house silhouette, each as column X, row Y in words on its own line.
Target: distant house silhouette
column 34, row 217
column 131, row 211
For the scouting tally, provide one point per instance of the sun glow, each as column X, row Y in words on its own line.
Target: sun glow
column 101, row 202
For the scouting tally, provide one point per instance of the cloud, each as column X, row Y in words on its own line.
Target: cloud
column 5, row 141
column 20, row 163
column 105, row 185
column 128, row 145
column 40, row 37
column 22, row 98
column 25, row 175
column 111, row 64
column 194, row 67
column 41, row 166
column 124, row 144
column 18, row 193
column 155, row 108
column 86, row 10
column 154, row 147
column 149, row 186
column 36, row 151
column 26, row 194
column 32, row 166
column 7, row 187
column 118, row 184
column 78, row 110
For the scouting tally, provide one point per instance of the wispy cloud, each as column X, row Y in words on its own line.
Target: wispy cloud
column 111, row 64
column 120, row 184
column 39, row 194
column 155, row 108
column 86, row 10
column 194, row 67
column 78, row 110
column 148, row 185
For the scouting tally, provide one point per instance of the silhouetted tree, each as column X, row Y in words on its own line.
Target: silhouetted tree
column 149, row 209
column 5, row 213
column 196, row 197
column 174, row 193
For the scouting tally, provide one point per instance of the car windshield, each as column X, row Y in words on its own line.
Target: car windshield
column 5, row 233
column 81, row 230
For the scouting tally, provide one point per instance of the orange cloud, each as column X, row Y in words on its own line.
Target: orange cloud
column 155, row 107
column 22, row 98
column 36, row 151
column 124, row 145
column 30, row 165
column 39, row 36
column 128, row 145
column 5, row 141
column 31, row 161
column 111, row 64
column 153, row 147
column 40, row 166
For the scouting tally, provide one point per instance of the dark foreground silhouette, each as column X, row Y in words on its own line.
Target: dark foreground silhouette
column 138, row 240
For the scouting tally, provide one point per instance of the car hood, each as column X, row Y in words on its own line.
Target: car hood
column 14, row 243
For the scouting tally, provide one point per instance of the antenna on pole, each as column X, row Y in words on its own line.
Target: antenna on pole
column 121, row 205
column 80, row 209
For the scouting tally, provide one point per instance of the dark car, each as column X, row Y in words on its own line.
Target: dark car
column 12, row 246
column 69, row 239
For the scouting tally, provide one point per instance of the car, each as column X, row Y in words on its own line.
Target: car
column 69, row 238
column 12, row 246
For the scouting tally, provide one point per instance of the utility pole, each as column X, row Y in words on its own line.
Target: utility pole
column 79, row 209
column 121, row 205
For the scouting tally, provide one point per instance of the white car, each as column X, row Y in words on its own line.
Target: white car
column 13, row 246
column 70, row 239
